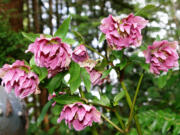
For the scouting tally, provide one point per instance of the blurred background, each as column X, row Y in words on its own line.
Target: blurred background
column 159, row 98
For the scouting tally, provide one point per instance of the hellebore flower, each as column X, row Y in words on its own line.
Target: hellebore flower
column 19, row 77
column 79, row 115
column 51, row 53
column 162, row 55
column 123, row 33
column 95, row 76
column 80, row 54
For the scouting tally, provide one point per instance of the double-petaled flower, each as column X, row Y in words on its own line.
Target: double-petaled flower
column 19, row 77
column 123, row 33
column 51, row 53
column 162, row 55
column 79, row 115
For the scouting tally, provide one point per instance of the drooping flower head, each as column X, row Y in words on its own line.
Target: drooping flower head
column 51, row 53
column 19, row 77
column 95, row 76
column 79, row 115
column 162, row 55
column 123, row 33
column 80, row 54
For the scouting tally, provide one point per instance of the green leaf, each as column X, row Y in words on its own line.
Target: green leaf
column 51, row 131
column 86, row 79
column 74, row 71
column 106, row 73
column 43, row 112
column 32, row 61
column 69, row 41
column 31, row 36
column 66, row 99
column 55, row 82
column 42, row 72
column 123, row 63
column 102, row 37
column 104, row 100
column 143, row 47
column 118, row 97
column 101, row 65
column 166, row 126
column 161, row 81
column 75, row 78
column 63, row 29
column 148, row 9
column 118, row 54
column 75, row 84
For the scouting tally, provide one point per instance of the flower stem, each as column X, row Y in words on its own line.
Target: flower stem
column 120, row 119
column 134, row 101
column 81, row 92
column 114, row 125
column 128, row 98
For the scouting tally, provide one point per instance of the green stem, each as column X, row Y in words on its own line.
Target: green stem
column 120, row 119
column 94, row 50
column 128, row 98
column 81, row 92
column 134, row 101
column 110, row 122
column 138, row 127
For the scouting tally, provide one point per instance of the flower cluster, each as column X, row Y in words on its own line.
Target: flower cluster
column 79, row 115
column 56, row 56
column 80, row 56
column 162, row 55
column 123, row 33
column 19, row 77
column 51, row 53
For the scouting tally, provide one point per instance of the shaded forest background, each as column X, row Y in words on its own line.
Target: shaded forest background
column 158, row 104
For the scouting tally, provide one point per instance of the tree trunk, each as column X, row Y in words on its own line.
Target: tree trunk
column 57, row 14
column 40, row 16
column 27, row 15
column 50, row 17
column 36, row 16
column 13, row 9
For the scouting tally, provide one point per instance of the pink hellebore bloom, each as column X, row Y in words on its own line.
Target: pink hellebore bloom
column 79, row 115
column 51, row 53
column 80, row 54
column 162, row 55
column 123, row 33
column 19, row 77
column 95, row 76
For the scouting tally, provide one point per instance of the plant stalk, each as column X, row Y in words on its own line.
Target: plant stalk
column 114, row 125
column 134, row 101
column 128, row 98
